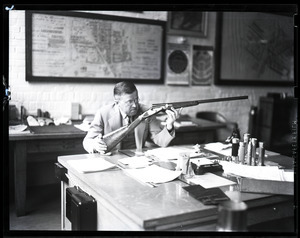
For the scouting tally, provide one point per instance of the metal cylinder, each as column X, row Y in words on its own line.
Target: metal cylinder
column 254, row 146
column 242, row 152
column 232, row 216
column 261, row 155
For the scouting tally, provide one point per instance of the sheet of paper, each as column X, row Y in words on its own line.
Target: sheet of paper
column 90, row 165
column 256, row 172
column 153, row 174
column 18, row 129
column 135, row 162
column 168, row 153
column 210, row 180
column 220, row 148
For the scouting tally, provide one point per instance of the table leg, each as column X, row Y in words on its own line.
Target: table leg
column 20, row 154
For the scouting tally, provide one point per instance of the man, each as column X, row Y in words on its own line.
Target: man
column 125, row 109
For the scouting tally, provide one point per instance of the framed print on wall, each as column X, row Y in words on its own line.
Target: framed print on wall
column 187, row 23
column 254, row 48
column 203, row 65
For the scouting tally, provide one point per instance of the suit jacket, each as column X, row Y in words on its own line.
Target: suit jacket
column 109, row 119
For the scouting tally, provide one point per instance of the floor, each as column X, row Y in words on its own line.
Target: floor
column 43, row 210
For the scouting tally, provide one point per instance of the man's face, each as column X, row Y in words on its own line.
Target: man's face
column 128, row 103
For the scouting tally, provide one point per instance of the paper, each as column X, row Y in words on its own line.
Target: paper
column 168, row 153
column 90, row 165
column 209, row 180
column 18, row 129
column 153, row 174
column 256, row 172
column 220, row 148
column 135, row 162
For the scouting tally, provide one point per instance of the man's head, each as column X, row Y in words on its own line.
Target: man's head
column 126, row 96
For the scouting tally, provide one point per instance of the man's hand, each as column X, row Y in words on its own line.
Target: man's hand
column 99, row 146
column 173, row 114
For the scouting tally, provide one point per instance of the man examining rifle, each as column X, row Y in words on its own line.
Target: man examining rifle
column 125, row 110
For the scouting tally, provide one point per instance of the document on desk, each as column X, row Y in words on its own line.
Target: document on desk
column 88, row 165
column 135, row 162
column 220, row 148
column 257, row 172
column 209, row 180
column 153, row 174
column 169, row 153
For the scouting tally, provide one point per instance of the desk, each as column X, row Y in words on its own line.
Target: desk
column 202, row 132
column 126, row 204
column 38, row 147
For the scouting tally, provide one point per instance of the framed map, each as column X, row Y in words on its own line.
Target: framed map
column 73, row 46
column 254, row 48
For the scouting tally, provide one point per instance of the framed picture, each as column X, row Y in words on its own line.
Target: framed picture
column 203, row 65
column 254, row 48
column 187, row 23
column 83, row 47
column 178, row 64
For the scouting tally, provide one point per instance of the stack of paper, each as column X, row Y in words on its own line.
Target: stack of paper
column 257, row 172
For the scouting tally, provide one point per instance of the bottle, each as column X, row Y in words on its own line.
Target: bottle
column 234, row 150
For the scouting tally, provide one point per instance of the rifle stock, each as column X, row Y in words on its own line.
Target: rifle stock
column 115, row 137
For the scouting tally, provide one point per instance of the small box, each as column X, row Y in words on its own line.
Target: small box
column 75, row 111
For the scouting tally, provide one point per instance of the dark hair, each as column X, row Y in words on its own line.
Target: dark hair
column 124, row 87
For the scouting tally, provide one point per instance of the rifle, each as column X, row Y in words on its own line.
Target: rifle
column 115, row 137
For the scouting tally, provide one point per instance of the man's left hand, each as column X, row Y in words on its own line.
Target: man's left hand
column 173, row 114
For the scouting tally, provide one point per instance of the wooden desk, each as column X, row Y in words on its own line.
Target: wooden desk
column 39, row 147
column 126, row 204
column 202, row 132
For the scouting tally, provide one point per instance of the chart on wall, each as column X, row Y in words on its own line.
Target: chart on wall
column 68, row 46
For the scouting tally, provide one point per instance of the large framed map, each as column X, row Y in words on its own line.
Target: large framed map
column 78, row 47
column 254, row 48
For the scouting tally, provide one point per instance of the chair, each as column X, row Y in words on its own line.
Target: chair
column 221, row 134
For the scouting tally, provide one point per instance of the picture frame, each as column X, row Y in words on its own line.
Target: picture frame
column 68, row 46
column 188, row 23
column 254, row 48
column 202, row 65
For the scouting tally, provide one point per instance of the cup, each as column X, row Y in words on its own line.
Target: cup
column 183, row 162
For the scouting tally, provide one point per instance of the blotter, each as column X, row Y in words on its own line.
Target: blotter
column 210, row 196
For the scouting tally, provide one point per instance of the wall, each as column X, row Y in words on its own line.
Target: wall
column 56, row 98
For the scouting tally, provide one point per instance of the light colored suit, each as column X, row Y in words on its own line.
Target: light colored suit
column 109, row 118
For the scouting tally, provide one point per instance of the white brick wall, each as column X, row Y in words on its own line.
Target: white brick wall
column 56, row 98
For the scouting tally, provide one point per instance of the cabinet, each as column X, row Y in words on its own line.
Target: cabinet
column 276, row 121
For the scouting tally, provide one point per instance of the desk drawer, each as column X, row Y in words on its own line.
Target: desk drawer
column 54, row 145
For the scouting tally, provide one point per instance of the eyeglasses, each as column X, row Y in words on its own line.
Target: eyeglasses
column 131, row 102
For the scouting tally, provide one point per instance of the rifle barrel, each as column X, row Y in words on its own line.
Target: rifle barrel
column 196, row 102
